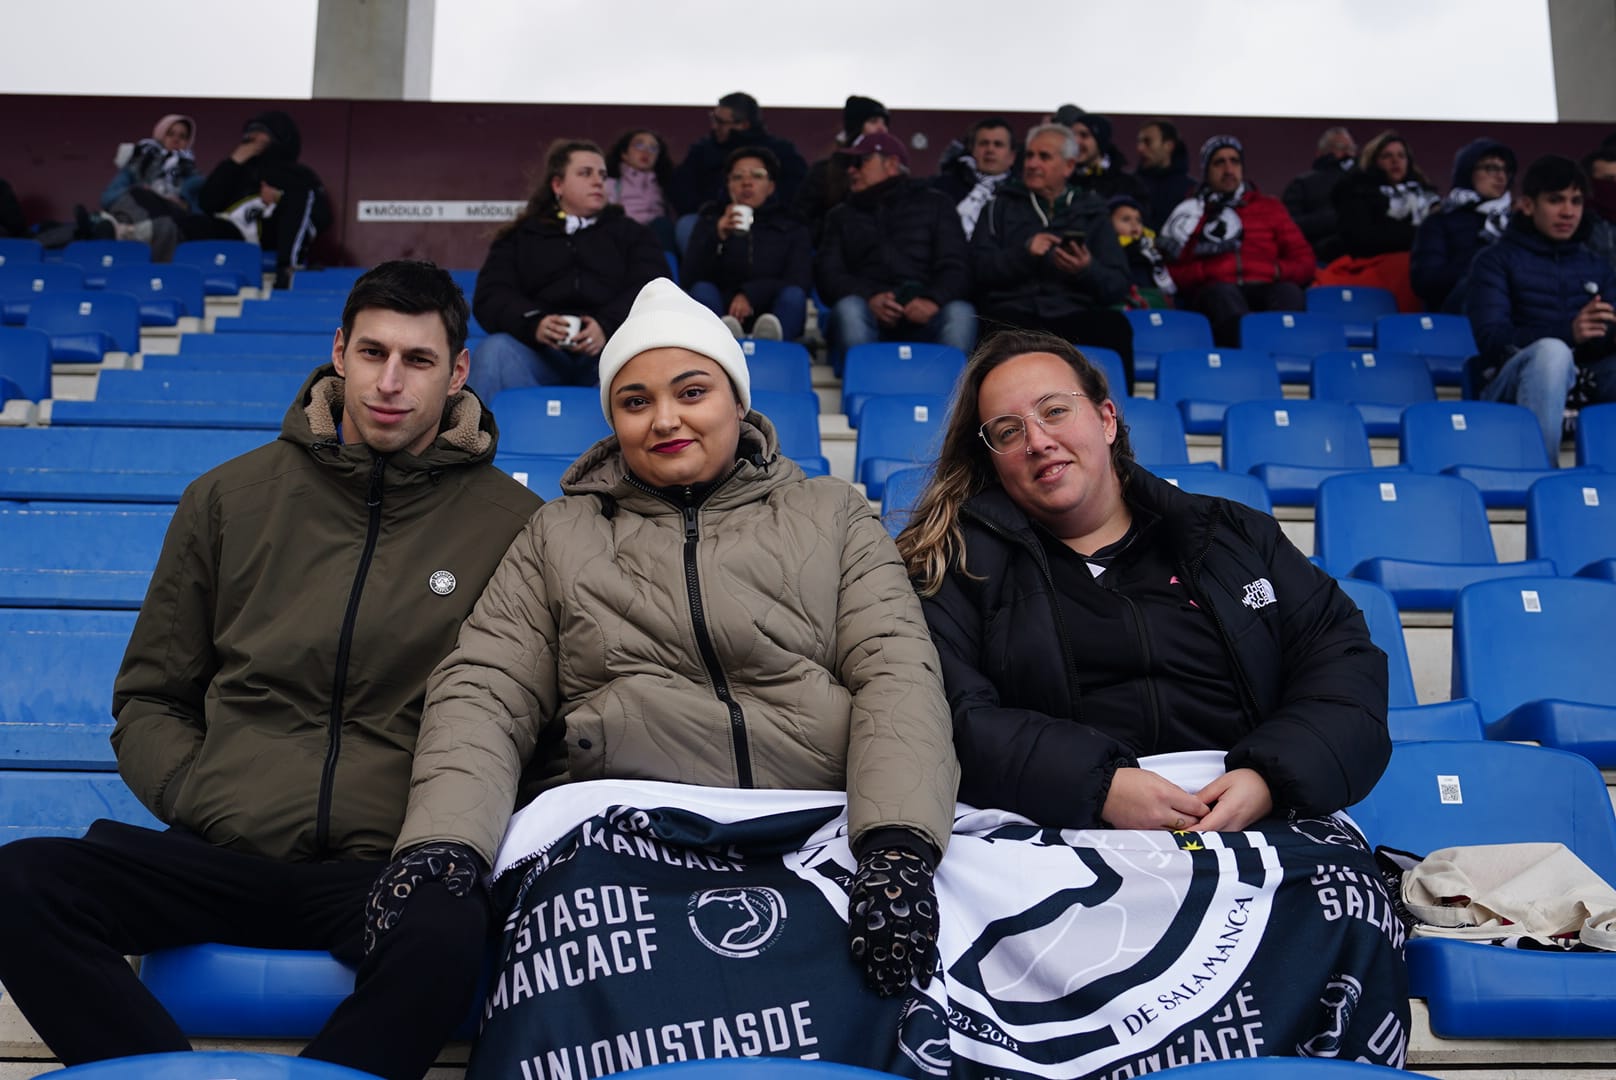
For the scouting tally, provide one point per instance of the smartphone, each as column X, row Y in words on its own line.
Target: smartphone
column 1074, row 237
column 906, row 292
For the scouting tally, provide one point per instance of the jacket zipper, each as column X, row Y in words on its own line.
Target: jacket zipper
column 1192, row 575
column 339, row 682
column 1150, row 681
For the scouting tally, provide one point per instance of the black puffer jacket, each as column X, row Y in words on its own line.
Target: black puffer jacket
column 775, row 253
column 536, row 269
column 1013, row 283
column 1308, row 197
column 1361, row 210
column 1310, row 684
column 898, row 231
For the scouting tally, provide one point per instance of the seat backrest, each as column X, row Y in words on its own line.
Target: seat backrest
column 1216, row 375
column 898, row 498
column 333, row 279
column 1318, row 434
column 1292, row 333
column 15, row 250
column 1237, row 487
column 110, row 463
column 795, row 417
column 112, row 313
column 236, row 387
column 160, row 282
column 539, row 473
column 900, row 367
column 230, row 256
column 25, row 360
column 1439, row 434
column 1155, row 431
column 1399, row 515
column 32, row 280
column 1425, row 335
column 56, row 673
column 99, row 256
column 53, row 803
column 1596, row 436
column 1439, row 794
column 1372, row 376
column 901, row 427
column 551, row 420
column 778, row 366
column 1527, row 639
column 1386, row 631
column 1109, row 361
column 316, row 347
column 79, row 558
column 1156, row 332
column 1359, row 303
column 1571, row 519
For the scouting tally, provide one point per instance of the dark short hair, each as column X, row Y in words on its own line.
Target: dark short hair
column 744, row 106
column 1168, row 129
column 1604, row 152
column 985, row 124
column 410, row 287
column 762, row 153
column 1551, row 172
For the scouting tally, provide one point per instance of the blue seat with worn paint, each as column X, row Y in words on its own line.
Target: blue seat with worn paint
column 125, row 398
column 56, row 673
column 122, row 465
column 59, row 802
column 79, row 558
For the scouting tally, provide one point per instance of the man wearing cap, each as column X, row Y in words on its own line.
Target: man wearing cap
column 826, row 182
column 1232, row 249
column 1044, row 256
column 1099, row 162
column 892, row 263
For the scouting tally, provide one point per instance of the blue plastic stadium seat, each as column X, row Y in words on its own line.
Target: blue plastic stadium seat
column 167, row 293
column 1380, row 385
column 19, row 250
column 780, row 367
column 897, row 367
column 1292, row 446
column 1386, row 631
column 25, row 361
column 56, row 672
column 1356, row 306
column 23, row 283
column 1293, row 338
column 1155, row 431
column 467, row 280
column 1596, row 436
column 1109, row 361
column 332, row 279
column 211, row 1065
column 1533, row 653
column 50, row 802
column 1496, row 446
column 1156, row 332
column 287, row 312
column 79, row 558
column 556, row 421
column 1571, row 521
column 1444, row 342
column 227, row 266
column 314, row 346
column 795, row 417
column 1203, row 383
column 124, row 465
column 903, row 430
column 226, row 990
column 97, row 258
column 1439, row 794
column 1420, row 537
column 1275, row 1068
column 237, row 399
column 1456, row 719
column 1238, row 487
column 221, row 363
column 898, row 498
column 539, row 473
column 84, row 326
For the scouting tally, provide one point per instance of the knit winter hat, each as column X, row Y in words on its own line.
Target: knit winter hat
column 1099, row 126
column 856, row 111
column 1219, row 142
column 664, row 316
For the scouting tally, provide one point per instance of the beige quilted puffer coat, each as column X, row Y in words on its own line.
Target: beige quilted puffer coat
column 764, row 634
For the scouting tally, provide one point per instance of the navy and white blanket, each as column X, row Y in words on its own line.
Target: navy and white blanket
column 651, row 923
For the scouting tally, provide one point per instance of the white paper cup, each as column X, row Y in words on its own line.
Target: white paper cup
column 574, row 324
column 743, row 218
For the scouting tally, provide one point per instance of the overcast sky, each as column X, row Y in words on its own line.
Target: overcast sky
column 1414, row 59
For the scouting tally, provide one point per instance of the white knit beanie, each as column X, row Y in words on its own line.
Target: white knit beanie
column 664, row 316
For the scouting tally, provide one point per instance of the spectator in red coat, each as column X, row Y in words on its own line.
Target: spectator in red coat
column 1233, row 249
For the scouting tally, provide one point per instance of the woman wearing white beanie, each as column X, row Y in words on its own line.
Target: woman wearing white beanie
column 695, row 609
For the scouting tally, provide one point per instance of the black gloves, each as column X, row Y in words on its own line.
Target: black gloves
column 456, row 865
column 892, row 917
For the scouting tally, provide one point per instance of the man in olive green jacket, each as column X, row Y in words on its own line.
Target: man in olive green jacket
column 268, row 705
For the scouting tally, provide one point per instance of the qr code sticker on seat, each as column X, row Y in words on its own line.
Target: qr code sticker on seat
column 1448, row 791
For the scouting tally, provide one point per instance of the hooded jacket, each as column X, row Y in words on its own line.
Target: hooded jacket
column 775, row 253
column 1527, row 286
column 231, row 181
column 897, row 231
column 1311, row 686
column 1362, row 218
column 760, row 634
column 1446, row 242
column 537, row 269
column 1271, row 249
column 271, row 692
column 1013, row 283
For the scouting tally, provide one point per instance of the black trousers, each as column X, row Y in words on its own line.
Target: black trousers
column 1223, row 303
column 1103, row 327
column 71, row 910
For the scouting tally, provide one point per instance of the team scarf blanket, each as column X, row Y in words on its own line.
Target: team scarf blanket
column 650, row 923
column 1209, row 218
column 1495, row 211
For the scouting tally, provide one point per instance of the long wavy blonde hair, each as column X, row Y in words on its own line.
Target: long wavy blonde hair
column 932, row 541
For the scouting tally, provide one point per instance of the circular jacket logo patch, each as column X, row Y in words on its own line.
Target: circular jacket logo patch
column 441, row 582
column 737, row 922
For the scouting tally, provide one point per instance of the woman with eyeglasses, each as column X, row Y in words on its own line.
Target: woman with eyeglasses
column 1089, row 615
column 1474, row 214
column 638, row 172
column 750, row 260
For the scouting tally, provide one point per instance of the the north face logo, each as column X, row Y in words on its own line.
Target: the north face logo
column 1259, row 594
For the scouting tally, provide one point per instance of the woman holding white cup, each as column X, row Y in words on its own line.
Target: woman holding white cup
column 750, row 261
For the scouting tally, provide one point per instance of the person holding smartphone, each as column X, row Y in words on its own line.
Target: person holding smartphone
column 1045, row 257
